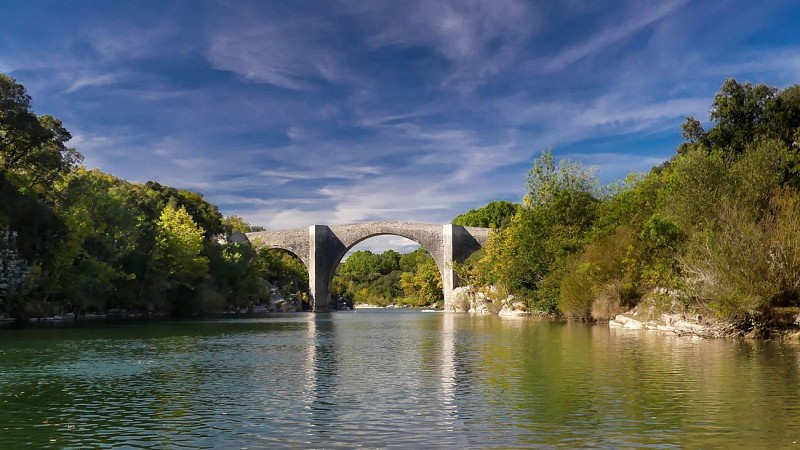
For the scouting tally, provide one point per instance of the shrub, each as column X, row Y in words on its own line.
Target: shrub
column 607, row 270
column 745, row 265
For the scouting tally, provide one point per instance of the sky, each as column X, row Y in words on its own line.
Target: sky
column 329, row 112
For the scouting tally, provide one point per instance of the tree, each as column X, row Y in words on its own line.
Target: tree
column 237, row 224
column 496, row 214
column 179, row 242
column 739, row 111
column 360, row 264
column 742, row 112
column 102, row 233
column 203, row 213
column 423, row 286
column 32, row 148
column 546, row 179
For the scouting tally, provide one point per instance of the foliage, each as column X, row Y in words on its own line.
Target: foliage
column 496, row 214
column 749, row 264
column 743, row 113
column 36, row 223
column 717, row 224
column 284, row 270
column 32, row 149
column 178, row 244
column 546, row 179
column 411, row 279
column 528, row 257
column 204, row 214
column 363, row 263
column 237, row 224
column 424, row 285
column 606, row 268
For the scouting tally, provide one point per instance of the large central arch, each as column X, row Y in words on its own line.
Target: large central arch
column 322, row 247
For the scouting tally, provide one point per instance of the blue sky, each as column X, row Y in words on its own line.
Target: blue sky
column 295, row 113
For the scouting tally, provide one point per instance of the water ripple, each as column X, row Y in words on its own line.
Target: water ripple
column 399, row 379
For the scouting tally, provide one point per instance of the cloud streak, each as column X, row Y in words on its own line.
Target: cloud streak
column 612, row 33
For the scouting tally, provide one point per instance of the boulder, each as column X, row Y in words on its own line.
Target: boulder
column 633, row 324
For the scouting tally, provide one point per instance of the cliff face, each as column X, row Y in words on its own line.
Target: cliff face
column 13, row 269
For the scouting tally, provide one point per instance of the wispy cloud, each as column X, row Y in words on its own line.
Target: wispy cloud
column 642, row 16
column 287, row 54
column 122, row 39
column 92, row 80
column 478, row 38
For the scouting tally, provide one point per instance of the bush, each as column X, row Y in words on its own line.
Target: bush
column 747, row 264
column 607, row 270
column 609, row 300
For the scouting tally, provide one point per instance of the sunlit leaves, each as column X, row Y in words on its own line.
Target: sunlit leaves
column 179, row 242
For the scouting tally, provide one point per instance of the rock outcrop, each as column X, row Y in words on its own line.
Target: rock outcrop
column 13, row 269
column 677, row 324
column 467, row 299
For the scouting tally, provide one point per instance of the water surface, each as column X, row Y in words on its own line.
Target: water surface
column 389, row 378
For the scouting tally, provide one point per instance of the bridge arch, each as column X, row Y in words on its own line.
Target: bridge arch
column 294, row 241
column 325, row 246
column 430, row 251
column 410, row 236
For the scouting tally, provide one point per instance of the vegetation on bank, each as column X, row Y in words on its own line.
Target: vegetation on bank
column 715, row 230
column 94, row 243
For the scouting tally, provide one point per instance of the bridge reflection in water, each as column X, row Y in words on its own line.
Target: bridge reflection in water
column 344, row 388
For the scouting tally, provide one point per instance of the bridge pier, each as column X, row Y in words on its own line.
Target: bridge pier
column 322, row 247
column 322, row 262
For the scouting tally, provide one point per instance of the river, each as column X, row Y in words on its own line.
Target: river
column 391, row 378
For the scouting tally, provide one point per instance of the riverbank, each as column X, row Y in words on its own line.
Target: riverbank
column 467, row 299
column 781, row 322
column 785, row 326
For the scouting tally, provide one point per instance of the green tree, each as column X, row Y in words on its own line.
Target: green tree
column 203, row 213
column 528, row 258
column 423, row 286
column 237, row 224
column 496, row 214
column 743, row 112
column 360, row 264
column 89, row 264
column 547, row 178
column 179, row 242
column 32, row 149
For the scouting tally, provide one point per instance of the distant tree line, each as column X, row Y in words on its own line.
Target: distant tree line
column 389, row 278
column 714, row 230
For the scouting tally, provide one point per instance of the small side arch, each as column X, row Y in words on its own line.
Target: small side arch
column 293, row 241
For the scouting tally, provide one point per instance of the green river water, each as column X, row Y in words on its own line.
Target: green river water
column 389, row 378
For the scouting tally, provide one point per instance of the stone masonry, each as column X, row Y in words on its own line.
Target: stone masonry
column 13, row 269
column 322, row 247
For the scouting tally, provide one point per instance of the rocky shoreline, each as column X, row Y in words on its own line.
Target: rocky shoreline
column 697, row 326
column 467, row 299
column 677, row 324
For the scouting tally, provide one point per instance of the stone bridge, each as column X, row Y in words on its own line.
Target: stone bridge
column 322, row 247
